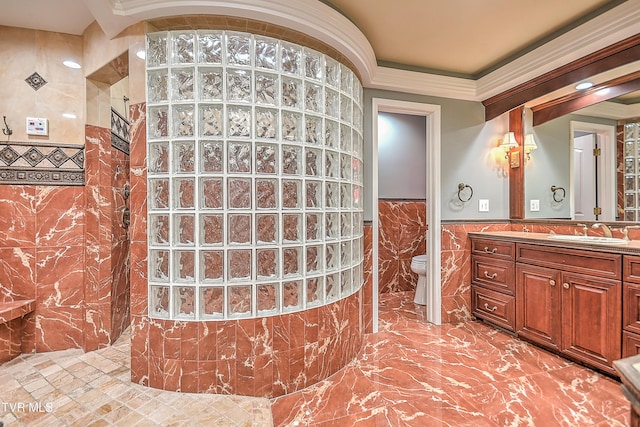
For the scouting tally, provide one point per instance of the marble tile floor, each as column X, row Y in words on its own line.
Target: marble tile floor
column 409, row 374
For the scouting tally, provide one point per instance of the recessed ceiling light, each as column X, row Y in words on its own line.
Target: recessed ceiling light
column 584, row 85
column 71, row 64
column 141, row 54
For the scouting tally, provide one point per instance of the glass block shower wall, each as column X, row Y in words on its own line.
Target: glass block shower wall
column 632, row 172
column 255, row 174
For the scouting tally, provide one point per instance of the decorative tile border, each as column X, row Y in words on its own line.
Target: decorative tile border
column 41, row 163
column 120, row 136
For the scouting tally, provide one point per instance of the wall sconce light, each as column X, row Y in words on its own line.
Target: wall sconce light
column 529, row 145
column 508, row 142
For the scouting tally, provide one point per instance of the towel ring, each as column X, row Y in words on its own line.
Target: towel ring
column 461, row 188
column 555, row 190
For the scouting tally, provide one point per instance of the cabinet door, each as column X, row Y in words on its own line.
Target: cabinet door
column 591, row 319
column 538, row 305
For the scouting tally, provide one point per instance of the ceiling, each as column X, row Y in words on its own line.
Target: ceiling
column 465, row 38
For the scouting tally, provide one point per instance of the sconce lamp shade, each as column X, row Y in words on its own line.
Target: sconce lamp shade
column 508, row 142
column 529, row 145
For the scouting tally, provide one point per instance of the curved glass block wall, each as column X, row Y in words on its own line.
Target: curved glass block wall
column 255, row 174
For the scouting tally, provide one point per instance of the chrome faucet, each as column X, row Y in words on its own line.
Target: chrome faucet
column 605, row 229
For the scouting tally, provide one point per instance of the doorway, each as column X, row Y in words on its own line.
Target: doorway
column 431, row 114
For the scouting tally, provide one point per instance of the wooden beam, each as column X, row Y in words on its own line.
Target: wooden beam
column 516, row 175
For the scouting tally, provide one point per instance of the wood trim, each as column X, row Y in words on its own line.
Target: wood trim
column 617, row 54
column 516, row 175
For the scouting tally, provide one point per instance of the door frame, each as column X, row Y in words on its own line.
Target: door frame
column 432, row 115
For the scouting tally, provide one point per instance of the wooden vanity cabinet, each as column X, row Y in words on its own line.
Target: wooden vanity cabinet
column 631, row 306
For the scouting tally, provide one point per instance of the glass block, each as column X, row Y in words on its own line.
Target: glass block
column 211, row 156
column 313, row 194
column 266, row 51
column 345, row 109
column 355, row 251
column 630, row 200
column 239, row 85
column 184, row 266
column 331, row 103
column 292, row 295
column 184, row 300
column 331, row 288
column 629, row 215
column 184, row 156
column 314, row 291
column 331, row 164
column 315, row 256
column 357, row 224
column 183, row 121
column 629, row 165
column 239, row 229
column 357, row 170
column 291, row 93
column 240, row 301
column 184, row 193
column 267, row 228
column 239, row 194
column 629, row 148
column 331, row 195
column 158, row 118
column 313, row 227
column 211, row 121
column 291, row 126
column 291, row 261
column 185, row 227
column 345, row 224
column 239, row 157
column 266, row 158
column 345, row 196
column 312, row 129
column 313, row 162
column 291, row 228
column 358, row 146
column 239, row 264
column 629, row 131
column 345, row 138
column 159, row 301
column 238, row 121
column 266, row 123
column 211, row 229
column 331, row 134
column 158, row 157
column 157, row 84
column 266, row 193
column 346, row 79
column 291, row 159
column 356, row 203
column 158, row 229
column 212, row 302
column 238, row 49
column 267, row 298
column 313, row 98
column 211, row 266
column 159, row 193
column 211, row 193
column 332, row 72
column 159, row 265
column 313, row 64
column 209, row 47
column 182, row 84
column 291, row 194
column 183, row 47
column 345, row 253
column 156, row 49
column 267, row 263
column 291, row 56
column 266, row 88
column 210, row 84
column 345, row 282
column 332, row 223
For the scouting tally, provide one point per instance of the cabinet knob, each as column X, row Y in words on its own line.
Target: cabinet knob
column 552, row 282
column 492, row 251
column 565, row 285
column 490, row 276
column 486, row 307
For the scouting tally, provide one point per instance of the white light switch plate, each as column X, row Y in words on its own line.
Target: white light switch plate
column 534, row 205
column 483, row 205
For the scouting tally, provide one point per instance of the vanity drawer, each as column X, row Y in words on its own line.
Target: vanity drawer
column 496, row 274
column 631, row 269
column 495, row 307
column 631, row 307
column 493, row 248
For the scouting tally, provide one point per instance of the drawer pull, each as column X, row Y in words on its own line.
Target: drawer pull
column 488, row 276
column 492, row 251
column 486, row 307
column 552, row 282
column 565, row 285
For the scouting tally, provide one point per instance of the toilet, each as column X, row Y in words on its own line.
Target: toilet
column 419, row 266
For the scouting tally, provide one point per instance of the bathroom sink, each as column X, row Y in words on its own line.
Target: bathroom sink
column 598, row 240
